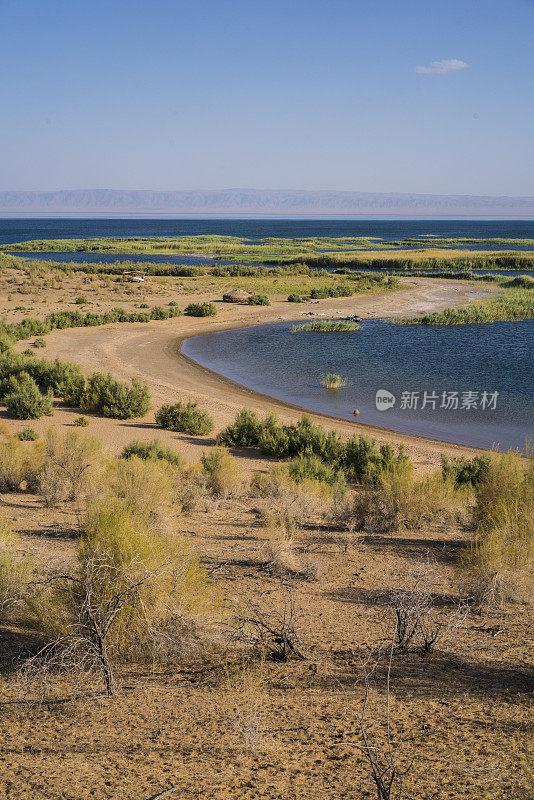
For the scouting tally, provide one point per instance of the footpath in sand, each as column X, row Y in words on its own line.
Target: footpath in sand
column 151, row 352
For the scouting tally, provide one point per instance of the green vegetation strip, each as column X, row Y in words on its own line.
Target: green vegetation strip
column 11, row 332
column 327, row 326
column 514, row 303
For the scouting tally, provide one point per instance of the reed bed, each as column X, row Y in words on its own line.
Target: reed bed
column 327, row 326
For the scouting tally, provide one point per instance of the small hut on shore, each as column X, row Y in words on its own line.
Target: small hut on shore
column 236, row 296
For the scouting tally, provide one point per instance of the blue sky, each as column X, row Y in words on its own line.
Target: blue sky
column 303, row 94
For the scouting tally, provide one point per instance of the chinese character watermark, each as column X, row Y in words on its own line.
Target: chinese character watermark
column 447, row 400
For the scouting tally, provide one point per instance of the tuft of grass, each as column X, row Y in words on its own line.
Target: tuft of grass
column 27, row 435
column 333, row 381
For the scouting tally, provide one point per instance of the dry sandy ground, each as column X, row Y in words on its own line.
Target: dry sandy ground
column 462, row 712
column 151, row 352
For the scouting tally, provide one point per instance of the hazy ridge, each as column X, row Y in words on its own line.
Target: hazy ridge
column 259, row 201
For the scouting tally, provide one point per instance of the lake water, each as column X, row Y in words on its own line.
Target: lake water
column 18, row 229
column 494, row 357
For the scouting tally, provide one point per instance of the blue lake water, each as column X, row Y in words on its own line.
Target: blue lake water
column 494, row 357
column 18, row 229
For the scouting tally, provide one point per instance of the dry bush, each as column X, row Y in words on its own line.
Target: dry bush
column 16, row 571
column 222, row 472
column 279, row 556
column 145, row 485
column 381, row 747
column 20, row 464
column 411, row 618
column 193, row 490
column 126, row 598
column 269, row 626
column 72, row 464
column 400, row 501
column 499, row 565
column 247, row 695
column 292, row 504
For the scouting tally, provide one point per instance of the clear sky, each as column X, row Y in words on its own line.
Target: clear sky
column 367, row 95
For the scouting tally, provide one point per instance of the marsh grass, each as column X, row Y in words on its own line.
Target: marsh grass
column 327, row 326
column 333, row 381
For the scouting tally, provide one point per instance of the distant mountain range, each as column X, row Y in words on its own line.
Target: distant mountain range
column 261, row 201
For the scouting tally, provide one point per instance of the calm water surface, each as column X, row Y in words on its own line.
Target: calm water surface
column 18, row 229
column 494, row 357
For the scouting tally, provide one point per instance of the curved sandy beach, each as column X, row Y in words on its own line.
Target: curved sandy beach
column 151, row 352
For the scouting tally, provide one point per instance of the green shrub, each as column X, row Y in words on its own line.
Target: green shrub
column 245, row 431
column 363, row 460
column 295, row 298
column 312, row 467
column 463, row 471
column 27, row 435
column 63, row 378
column 259, row 300
column 81, row 422
column 23, row 400
column 115, row 399
column 185, row 418
column 201, row 310
column 153, row 450
column 359, row 457
column 39, row 342
column 342, row 290
column 6, row 341
column 81, row 300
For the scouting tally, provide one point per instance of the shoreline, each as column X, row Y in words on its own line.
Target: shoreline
column 277, row 401
column 151, row 353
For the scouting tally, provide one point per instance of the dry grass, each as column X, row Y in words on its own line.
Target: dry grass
column 222, row 472
column 20, row 463
column 401, row 501
column 72, row 465
column 499, row 565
